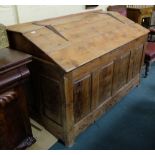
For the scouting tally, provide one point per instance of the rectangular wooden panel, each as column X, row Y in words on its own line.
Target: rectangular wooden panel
column 138, row 52
column 121, row 67
column 82, row 97
column 130, row 71
column 105, row 82
column 101, row 84
column 136, row 56
column 51, row 99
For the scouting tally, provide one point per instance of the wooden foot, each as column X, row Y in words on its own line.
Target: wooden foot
column 69, row 141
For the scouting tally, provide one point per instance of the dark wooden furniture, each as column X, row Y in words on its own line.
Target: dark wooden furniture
column 82, row 65
column 15, row 128
column 140, row 14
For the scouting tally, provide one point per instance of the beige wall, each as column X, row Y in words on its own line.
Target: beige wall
column 30, row 13
column 10, row 14
column 7, row 15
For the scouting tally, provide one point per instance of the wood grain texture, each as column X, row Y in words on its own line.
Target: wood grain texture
column 121, row 66
column 82, row 65
column 104, row 107
column 80, row 46
column 76, row 98
column 82, row 97
column 10, row 58
column 50, row 90
column 102, row 84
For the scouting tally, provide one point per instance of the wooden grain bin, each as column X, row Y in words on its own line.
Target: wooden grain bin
column 83, row 64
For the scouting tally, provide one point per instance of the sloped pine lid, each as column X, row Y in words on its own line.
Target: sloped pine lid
column 74, row 40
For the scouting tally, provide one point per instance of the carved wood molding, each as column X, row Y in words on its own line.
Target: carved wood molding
column 7, row 97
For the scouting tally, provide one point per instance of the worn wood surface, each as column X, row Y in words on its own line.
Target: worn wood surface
column 68, row 41
column 82, row 65
column 10, row 58
column 63, row 100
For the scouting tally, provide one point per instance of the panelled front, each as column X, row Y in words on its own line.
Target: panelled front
column 104, row 81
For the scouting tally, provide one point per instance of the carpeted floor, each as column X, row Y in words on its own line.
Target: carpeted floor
column 128, row 125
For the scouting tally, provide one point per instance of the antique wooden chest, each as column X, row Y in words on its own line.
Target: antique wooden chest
column 82, row 65
column 15, row 128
